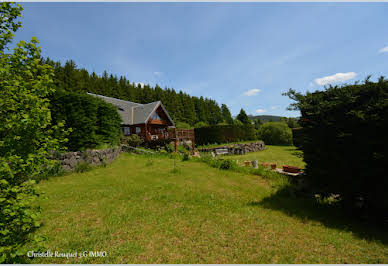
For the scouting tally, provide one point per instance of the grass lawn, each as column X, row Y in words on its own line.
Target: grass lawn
column 281, row 155
column 140, row 211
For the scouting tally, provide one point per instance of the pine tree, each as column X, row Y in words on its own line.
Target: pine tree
column 243, row 117
column 226, row 114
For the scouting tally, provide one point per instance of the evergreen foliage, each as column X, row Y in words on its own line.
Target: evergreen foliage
column 345, row 142
column 181, row 106
column 243, row 117
column 224, row 134
column 92, row 120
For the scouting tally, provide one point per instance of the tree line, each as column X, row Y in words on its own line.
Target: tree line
column 181, row 106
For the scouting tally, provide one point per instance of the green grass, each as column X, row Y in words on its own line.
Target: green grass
column 140, row 210
column 281, row 155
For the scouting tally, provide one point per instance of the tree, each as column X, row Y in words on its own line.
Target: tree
column 243, row 117
column 26, row 134
column 226, row 114
column 275, row 133
column 345, row 142
column 257, row 123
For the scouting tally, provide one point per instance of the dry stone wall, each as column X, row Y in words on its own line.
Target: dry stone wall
column 240, row 148
column 70, row 160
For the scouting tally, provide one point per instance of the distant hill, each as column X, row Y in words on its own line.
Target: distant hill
column 266, row 118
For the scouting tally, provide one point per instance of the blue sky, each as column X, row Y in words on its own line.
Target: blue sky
column 241, row 54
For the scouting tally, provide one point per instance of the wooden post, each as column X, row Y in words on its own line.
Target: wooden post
column 176, row 140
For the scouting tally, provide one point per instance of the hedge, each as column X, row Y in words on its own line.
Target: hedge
column 93, row 122
column 345, row 143
column 224, row 134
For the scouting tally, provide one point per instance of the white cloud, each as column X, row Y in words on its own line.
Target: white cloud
column 274, row 107
column 157, row 73
column 339, row 77
column 141, row 84
column 251, row 92
column 384, row 50
column 311, row 85
column 259, row 111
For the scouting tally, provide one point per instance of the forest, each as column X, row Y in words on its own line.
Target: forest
column 181, row 106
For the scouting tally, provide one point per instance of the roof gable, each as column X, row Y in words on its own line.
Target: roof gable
column 133, row 113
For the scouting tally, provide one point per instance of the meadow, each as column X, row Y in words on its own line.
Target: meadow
column 140, row 209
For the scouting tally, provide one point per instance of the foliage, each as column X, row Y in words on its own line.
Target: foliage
column 200, row 124
column 275, row 133
column 82, row 167
column 92, row 121
column 169, row 147
column 298, row 137
column 243, row 117
column 226, row 115
column 186, row 156
column 181, row 106
column 224, row 134
column 133, row 140
column 345, row 142
column 183, row 125
column 227, row 164
column 26, row 135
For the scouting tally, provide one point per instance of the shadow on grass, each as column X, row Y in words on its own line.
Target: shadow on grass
column 307, row 209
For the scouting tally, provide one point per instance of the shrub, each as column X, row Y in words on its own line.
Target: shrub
column 169, row 147
column 92, row 121
column 227, row 164
column 275, row 133
column 133, row 140
column 345, row 142
column 82, row 167
column 186, row 156
column 224, row 134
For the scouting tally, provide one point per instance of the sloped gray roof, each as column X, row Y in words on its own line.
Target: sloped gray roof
column 133, row 113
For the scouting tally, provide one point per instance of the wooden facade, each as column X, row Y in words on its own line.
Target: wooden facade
column 155, row 128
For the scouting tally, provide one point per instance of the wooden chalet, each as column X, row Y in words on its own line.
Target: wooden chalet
column 150, row 121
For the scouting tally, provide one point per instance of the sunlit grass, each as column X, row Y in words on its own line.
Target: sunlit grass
column 281, row 155
column 140, row 210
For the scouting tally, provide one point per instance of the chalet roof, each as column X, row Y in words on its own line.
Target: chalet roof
column 133, row 113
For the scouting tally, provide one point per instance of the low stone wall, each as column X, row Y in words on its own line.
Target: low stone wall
column 240, row 148
column 70, row 160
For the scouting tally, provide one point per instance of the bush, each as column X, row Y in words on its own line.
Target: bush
column 345, row 143
column 133, row 140
column 275, row 133
column 186, row 156
column 224, row 134
column 82, row 167
column 227, row 164
column 93, row 121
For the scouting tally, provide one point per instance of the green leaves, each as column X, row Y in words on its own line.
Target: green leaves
column 26, row 134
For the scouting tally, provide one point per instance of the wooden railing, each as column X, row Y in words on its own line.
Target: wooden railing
column 184, row 134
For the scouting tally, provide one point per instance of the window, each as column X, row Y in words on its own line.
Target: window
column 126, row 131
column 138, row 130
column 155, row 116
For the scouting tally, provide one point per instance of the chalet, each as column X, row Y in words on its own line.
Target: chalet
column 150, row 121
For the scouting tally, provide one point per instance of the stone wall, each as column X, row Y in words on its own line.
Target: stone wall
column 240, row 148
column 70, row 160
